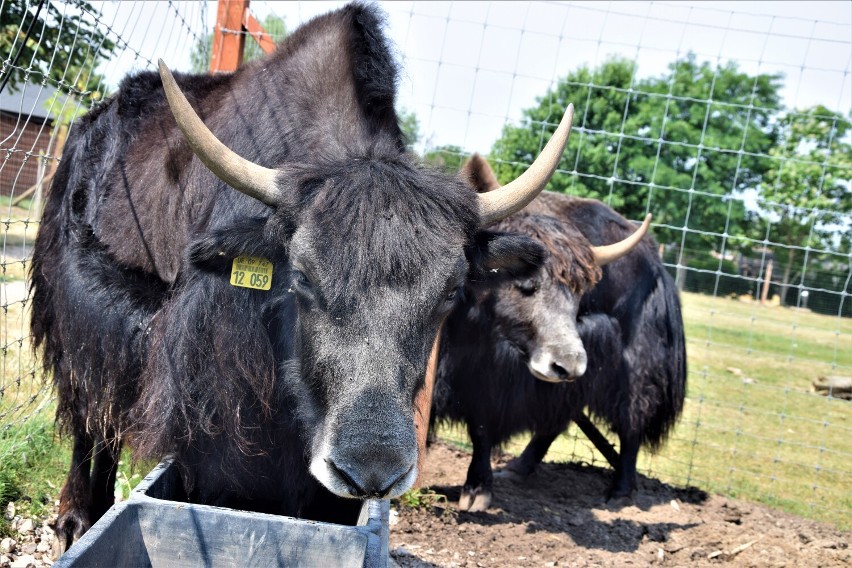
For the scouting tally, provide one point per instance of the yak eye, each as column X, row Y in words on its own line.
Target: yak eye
column 305, row 288
column 453, row 294
column 527, row 287
column 301, row 280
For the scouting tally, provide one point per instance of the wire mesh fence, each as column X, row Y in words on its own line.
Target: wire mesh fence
column 728, row 122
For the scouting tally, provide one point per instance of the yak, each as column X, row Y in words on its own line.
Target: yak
column 585, row 331
column 290, row 175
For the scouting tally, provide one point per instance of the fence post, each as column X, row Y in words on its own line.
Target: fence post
column 256, row 31
column 423, row 407
column 767, row 280
column 228, row 39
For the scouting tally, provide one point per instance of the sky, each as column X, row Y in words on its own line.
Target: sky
column 471, row 67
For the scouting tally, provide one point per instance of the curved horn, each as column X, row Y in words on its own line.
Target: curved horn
column 514, row 196
column 609, row 253
column 241, row 174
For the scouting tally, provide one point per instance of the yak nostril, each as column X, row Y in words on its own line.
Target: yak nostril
column 385, row 490
column 559, row 370
column 355, row 489
column 369, row 487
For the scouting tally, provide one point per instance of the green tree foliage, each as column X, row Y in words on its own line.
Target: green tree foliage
column 447, row 158
column 64, row 46
column 674, row 145
column 199, row 57
column 807, row 195
column 410, row 127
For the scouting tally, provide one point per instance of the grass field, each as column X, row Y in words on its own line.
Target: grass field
column 751, row 428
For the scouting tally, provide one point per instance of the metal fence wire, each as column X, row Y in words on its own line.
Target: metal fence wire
column 730, row 122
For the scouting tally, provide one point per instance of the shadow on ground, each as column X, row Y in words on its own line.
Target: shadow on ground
column 569, row 499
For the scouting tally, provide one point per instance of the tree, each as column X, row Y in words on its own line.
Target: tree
column 447, row 158
column 647, row 143
column 199, row 57
column 808, row 187
column 64, row 43
column 410, row 127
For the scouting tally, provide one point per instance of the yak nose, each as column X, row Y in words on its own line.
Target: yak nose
column 373, row 474
column 557, row 367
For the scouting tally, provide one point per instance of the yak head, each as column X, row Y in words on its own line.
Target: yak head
column 377, row 248
column 536, row 314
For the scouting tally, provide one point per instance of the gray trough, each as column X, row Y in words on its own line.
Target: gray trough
column 152, row 528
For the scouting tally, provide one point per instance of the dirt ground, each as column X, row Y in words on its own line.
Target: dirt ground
column 559, row 517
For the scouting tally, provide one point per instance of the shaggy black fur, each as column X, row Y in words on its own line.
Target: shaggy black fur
column 630, row 325
column 148, row 342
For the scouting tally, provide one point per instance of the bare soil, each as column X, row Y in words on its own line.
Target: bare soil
column 559, row 517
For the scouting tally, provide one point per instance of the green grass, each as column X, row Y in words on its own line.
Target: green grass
column 762, row 434
column 420, row 498
column 34, row 464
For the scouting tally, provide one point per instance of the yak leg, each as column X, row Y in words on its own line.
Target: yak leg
column 476, row 493
column 104, row 471
column 75, row 499
column 525, row 464
column 625, row 482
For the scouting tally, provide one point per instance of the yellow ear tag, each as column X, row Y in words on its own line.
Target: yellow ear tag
column 251, row 272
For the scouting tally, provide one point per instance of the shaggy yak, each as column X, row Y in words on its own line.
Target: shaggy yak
column 283, row 396
column 528, row 355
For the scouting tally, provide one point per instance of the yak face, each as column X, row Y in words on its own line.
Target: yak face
column 377, row 260
column 538, row 315
column 377, row 254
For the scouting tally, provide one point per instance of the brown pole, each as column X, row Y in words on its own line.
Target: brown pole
column 767, row 279
column 256, row 31
column 228, row 39
column 423, row 408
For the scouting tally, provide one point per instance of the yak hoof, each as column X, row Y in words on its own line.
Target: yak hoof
column 475, row 500
column 620, row 496
column 517, row 470
column 70, row 526
column 623, row 486
column 510, row 475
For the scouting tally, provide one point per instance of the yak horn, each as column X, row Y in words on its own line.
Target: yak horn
column 514, row 196
column 241, row 174
column 609, row 253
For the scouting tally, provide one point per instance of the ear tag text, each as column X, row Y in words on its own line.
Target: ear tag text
column 251, row 272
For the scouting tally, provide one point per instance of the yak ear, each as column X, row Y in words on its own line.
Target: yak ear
column 496, row 257
column 477, row 172
column 216, row 249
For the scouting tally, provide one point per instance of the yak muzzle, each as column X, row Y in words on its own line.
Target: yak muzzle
column 555, row 367
column 370, row 480
column 364, row 458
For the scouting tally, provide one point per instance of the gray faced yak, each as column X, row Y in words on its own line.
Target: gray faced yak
column 585, row 330
column 299, row 389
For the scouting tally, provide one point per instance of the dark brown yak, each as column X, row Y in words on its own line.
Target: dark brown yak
column 277, row 400
column 585, row 330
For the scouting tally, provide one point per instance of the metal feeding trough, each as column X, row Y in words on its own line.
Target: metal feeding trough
column 154, row 528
